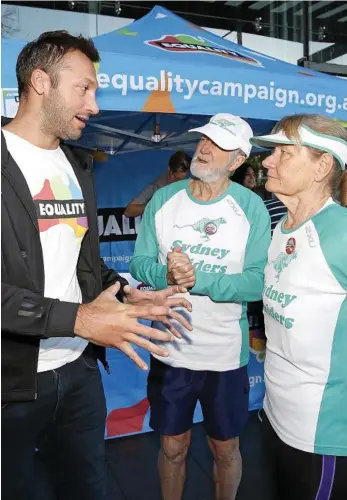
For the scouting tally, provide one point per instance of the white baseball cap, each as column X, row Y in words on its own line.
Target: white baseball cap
column 229, row 132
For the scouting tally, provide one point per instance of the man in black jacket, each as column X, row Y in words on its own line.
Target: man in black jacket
column 61, row 306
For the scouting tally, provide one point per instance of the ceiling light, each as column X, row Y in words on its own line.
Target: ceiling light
column 321, row 33
column 117, row 8
column 258, row 25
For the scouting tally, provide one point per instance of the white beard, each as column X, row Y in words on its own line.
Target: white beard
column 208, row 173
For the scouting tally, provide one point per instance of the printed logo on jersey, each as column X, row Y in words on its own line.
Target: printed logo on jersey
column 282, row 261
column 290, row 246
column 235, row 208
column 206, row 227
column 275, row 301
column 310, row 237
column 60, row 203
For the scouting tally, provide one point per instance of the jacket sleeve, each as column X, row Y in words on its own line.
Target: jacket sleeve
column 26, row 313
column 109, row 277
column 248, row 285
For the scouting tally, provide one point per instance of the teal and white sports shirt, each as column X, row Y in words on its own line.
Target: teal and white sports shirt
column 227, row 240
column 305, row 308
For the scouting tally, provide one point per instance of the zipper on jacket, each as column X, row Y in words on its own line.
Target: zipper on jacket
column 36, row 364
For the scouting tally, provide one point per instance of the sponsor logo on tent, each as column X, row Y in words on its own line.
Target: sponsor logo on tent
column 187, row 43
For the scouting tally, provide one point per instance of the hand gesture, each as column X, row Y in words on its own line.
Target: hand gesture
column 164, row 298
column 180, row 270
column 106, row 321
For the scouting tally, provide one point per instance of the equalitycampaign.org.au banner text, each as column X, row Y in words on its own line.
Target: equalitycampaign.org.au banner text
column 247, row 92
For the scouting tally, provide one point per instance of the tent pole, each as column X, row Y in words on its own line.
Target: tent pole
column 239, row 32
column 137, row 131
column 305, row 31
column 173, row 134
column 116, row 131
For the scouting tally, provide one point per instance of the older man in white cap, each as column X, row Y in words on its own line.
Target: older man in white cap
column 211, row 236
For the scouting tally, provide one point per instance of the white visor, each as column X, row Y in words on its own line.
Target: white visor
column 334, row 145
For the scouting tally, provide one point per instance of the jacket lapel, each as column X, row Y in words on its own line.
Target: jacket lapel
column 82, row 166
column 13, row 174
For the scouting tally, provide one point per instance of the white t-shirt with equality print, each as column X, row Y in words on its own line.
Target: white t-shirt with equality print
column 305, row 309
column 62, row 224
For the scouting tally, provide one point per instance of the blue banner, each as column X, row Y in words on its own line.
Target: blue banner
column 163, row 64
column 118, row 181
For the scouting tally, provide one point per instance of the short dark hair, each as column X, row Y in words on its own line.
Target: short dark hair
column 241, row 172
column 47, row 52
column 179, row 162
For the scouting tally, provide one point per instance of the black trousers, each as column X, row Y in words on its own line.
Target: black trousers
column 67, row 424
column 298, row 475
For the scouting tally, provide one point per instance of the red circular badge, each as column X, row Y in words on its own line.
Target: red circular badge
column 290, row 246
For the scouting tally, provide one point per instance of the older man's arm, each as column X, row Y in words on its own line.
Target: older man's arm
column 144, row 265
column 248, row 285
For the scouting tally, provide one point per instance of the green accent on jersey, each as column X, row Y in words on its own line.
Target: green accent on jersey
column 331, row 226
column 248, row 285
column 332, row 419
column 238, row 288
column 143, row 265
column 288, row 231
column 208, row 202
column 244, row 325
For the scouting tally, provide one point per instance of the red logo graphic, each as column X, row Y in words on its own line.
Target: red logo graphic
column 290, row 246
column 210, row 228
column 127, row 420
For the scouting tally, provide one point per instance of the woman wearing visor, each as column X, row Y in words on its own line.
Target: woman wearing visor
column 305, row 309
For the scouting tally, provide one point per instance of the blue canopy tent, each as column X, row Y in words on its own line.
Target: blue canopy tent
column 158, row 77
column 164, row 64
column 204, row 74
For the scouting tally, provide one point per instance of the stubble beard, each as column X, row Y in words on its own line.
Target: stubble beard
column 56, row 118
